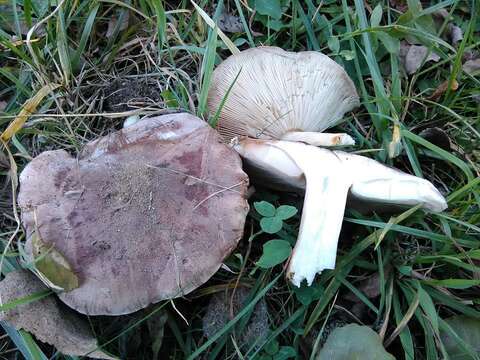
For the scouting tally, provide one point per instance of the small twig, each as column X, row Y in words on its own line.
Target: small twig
column 383, row 330
column 216, row 193
column 192, row 177
column 178, row 312
column 244, row 265
column 408, row 315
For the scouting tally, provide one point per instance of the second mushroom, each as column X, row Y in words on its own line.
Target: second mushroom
column 273, row 106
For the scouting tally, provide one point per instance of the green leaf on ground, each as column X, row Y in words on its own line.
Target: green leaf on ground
column 274, row 252
column 354, row 342
column 264, row 208
column 270, row 8
column 271, row 225
column 285, row 212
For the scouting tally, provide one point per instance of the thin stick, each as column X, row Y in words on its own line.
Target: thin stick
column 216, row 193
column 192, row 177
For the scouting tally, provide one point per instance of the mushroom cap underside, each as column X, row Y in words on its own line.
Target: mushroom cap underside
column 144, row 214
column 274, row 91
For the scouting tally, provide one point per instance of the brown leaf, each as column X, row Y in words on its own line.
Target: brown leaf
column 229, row 43
column 472, row 67
column 45, row 319
column 437, row 137
column 230, row 23
column 442, row 88
column 51, row 266
column 28, row 108
column 370, row 286
column 112, row 24
column 400, row 5
column 415, row 55
column 442, row 14
column 455, row 33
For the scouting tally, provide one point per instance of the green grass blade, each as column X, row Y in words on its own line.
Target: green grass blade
column 444, row 154
column 62, row 48
column 24, row 343
column 207, row 70
column 232, row 322
column 86, row 33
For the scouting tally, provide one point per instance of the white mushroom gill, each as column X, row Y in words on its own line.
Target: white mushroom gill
column 327, row 177
column 282, row 95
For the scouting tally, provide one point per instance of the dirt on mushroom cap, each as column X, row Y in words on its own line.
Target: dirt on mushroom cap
column 145, row 214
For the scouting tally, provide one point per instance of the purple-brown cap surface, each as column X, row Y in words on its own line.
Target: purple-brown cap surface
column 144, row 214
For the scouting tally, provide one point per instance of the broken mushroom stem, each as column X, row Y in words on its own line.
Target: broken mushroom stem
column 319, row 139
column 328, row 177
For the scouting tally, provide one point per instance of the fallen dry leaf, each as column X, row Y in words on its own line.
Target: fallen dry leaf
column 112, row 24
column 369, row 286
column 442, row 14
column 28, row 108
column 472, row 67
column 442, row 88
column 229, row 43
column 400, row 5
column 45, row 319
column 415, row 54
column 437, row 137
column 51, row 266
column 455, row 34
column 230, row 23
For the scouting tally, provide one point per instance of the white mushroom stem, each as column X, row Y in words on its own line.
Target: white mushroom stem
column 379, row 183
column 327, row 186
column 319, row 139
column 328, row 176
column 271, row 161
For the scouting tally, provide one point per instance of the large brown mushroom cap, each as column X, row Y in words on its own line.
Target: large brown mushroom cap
column 144, row 214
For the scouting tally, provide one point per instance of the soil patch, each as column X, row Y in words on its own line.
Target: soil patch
column 130, row 94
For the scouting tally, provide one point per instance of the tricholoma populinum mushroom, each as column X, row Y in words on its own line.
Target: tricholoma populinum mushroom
column 276, row 104
column 144, row 214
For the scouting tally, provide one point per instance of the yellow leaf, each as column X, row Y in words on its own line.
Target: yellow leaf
column 28, row 108
column 231, row 46
column 52, row 267
column 394, row 146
